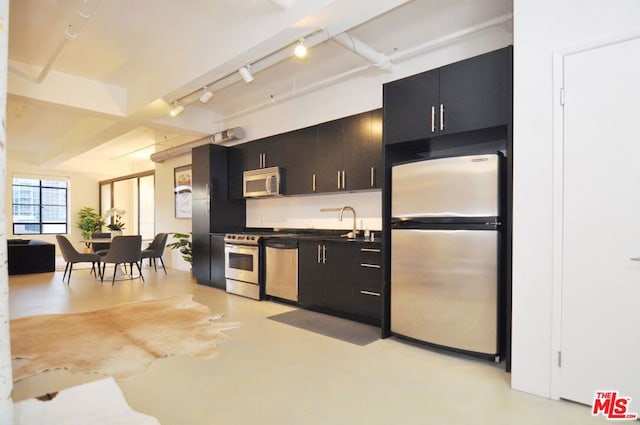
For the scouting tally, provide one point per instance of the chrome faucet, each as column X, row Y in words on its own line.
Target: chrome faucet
column 354, row 233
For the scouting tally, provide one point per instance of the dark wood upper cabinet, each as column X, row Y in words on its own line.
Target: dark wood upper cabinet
column 475, row 93
column 301, row 147
column 362, row 135
column 468, row 95
column 409, row 107
column 343, row 154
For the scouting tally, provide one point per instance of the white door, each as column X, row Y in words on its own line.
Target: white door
column 600, row 339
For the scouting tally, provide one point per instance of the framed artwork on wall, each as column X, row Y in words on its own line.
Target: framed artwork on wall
column 182, row 191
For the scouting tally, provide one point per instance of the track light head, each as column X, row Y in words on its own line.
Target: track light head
column 300, row 49
column 206, row 96
column 246, row 74
column 177, row 109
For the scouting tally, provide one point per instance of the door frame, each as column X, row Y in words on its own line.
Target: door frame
column 558, row 195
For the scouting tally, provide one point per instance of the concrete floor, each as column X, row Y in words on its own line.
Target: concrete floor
column 272, row 373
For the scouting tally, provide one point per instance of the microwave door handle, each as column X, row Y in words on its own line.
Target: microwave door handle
column 267, row 184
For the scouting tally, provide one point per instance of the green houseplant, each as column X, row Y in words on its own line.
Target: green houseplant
column 89, row 222
column 184, row 245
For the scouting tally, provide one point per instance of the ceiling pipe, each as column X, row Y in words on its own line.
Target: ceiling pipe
column 70, row 34
column 298, row 92
column 378, row 59
column 227, row 135
column 450, row 38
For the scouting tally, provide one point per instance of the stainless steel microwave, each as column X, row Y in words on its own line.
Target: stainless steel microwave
column 262, row 182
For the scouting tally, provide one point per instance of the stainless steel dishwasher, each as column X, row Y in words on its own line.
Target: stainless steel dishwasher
column 281, row 268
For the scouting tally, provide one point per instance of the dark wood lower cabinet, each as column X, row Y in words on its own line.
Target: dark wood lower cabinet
column 217, row 261
column 310, row 274
column 341, row 278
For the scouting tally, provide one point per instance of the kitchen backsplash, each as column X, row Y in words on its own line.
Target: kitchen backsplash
column 303, row 212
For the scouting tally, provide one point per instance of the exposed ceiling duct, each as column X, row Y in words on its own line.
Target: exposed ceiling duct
column 227, row 135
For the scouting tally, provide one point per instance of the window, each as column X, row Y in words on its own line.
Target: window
column 134, row 194
column 39, row 206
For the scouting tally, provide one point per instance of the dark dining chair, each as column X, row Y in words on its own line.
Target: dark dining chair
column 123, row 250
column 155, row 250
column 73, row 256
column 100, row 248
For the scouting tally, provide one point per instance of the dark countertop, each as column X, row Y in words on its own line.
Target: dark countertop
column 317, row 234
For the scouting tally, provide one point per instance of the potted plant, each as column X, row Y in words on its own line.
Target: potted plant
column 116, row 225
column 184, row 245
column 89, row 222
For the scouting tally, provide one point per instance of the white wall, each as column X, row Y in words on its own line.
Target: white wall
column 540, row 29
column 166, row 220
column 303, row 212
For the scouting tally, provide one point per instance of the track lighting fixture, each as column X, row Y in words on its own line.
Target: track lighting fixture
column 177, row 109
column 300, row 50
column 206, row 96
column 246, row 74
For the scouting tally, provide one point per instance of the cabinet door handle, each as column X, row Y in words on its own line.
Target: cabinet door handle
column 324, row 254
column 339, row 180
column 373, row 176
column 313, row 182
column 375, row 294
column 441, row 117
column 318, row 253
column 371, row 266
column 343, row 180
column 433, row 119
column 370, row 250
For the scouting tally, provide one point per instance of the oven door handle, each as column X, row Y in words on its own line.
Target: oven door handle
column 242, row 249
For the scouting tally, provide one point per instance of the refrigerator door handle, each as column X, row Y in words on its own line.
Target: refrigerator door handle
column 433, row 119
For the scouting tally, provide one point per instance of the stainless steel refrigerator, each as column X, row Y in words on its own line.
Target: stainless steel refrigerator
column 445, row 236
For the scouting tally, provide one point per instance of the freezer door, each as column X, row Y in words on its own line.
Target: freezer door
column 444, row 287
column 464, row 186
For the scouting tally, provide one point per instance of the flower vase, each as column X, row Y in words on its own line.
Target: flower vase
column 115, row 233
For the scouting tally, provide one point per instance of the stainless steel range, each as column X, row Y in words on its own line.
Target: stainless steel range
column 243, row 255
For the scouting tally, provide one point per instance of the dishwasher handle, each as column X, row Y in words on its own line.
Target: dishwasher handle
column 281, row 243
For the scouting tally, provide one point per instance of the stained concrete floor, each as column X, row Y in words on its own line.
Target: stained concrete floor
column 269, row 372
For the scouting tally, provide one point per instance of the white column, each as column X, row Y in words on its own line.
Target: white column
column 6, row 380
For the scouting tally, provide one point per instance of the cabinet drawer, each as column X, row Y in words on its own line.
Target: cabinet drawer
column 368, row 305
column 370, row 256
column 369, row 278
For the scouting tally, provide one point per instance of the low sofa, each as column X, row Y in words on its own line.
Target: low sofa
column 30, row 256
